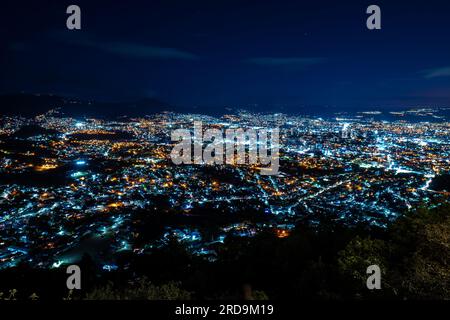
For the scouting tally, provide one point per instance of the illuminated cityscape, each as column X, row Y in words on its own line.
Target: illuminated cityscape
column 70, row 183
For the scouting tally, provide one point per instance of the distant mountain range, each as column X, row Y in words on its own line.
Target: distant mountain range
column 31, row 105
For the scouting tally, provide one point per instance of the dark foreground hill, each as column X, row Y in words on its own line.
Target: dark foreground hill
column 441, row 183
column 32, row 131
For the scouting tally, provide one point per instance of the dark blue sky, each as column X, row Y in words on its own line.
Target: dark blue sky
column 215, row 53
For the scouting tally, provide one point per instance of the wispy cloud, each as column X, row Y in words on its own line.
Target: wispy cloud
column 286, row 61
column 147, row 52
column 437, row 72
column 133, row 50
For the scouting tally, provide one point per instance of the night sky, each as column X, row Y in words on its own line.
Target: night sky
column 236, row 53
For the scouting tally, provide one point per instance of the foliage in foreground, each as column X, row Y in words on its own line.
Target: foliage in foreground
column 326, row 259
column 414, row 259
column 141, row 290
